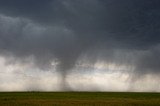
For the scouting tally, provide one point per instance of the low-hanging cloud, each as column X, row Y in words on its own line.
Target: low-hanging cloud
column 68, row 35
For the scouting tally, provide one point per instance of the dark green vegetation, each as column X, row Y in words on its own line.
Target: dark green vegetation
column 79, row 99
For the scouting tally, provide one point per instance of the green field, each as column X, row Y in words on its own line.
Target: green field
column 79, row 99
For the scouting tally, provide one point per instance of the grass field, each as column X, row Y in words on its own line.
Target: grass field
column 79, row 99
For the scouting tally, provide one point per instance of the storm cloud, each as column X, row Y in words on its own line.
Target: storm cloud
column 71, row 35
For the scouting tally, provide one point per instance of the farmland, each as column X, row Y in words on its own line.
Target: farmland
column 79, row 99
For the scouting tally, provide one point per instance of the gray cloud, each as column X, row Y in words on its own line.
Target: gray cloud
column 123, row 32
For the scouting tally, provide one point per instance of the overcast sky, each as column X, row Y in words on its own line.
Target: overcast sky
column 93, row 45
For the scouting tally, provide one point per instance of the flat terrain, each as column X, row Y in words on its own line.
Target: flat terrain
column 79, row 99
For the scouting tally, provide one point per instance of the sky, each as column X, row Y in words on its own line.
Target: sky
column 80, row 45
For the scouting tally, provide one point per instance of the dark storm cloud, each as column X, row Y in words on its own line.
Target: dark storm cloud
column 133, row 22
column 118, row 31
